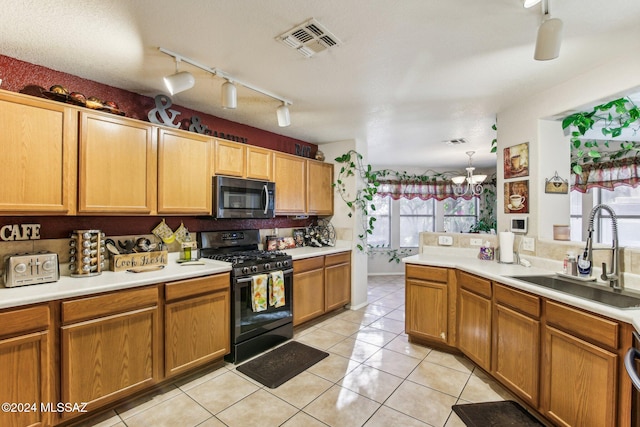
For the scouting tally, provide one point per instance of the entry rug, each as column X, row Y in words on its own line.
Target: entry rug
column 495, row 414
column 281, row 364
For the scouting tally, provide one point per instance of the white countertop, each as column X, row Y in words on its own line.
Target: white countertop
column 309, row 251
column 501, row 273
column 68, row 286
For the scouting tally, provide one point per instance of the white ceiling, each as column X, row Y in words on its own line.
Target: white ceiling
column 408, row 75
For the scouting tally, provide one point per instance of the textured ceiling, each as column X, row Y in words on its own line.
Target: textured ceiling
column 408, row 74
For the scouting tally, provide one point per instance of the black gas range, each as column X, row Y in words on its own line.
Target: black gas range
column 252, row 330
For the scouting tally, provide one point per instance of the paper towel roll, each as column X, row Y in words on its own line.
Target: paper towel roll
column 506, row 246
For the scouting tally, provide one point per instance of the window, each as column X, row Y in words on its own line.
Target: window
column 416, row 215
column 460, row 214
column 382, row 225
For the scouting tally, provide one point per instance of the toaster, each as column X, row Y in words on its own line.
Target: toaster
column 31, row 269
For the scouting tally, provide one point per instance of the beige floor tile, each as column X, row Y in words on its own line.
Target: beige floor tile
column 193, row 380
column 302, row 389
column 377, row 310
column 303, row 420
column 212, row 422
column 484, row 390
column 440, row 378
column 396, row 315
column 401, row 344
column 394, row 363
column 143, row 403
column 342, row 407
column 342, row 327
column 459, row 363
column 386, row 417
column 372, row 383
column 179, row 411
column 354, row 349
column 222, row 391
column 108, row 419
column 423, row 403
column 389, row 325
column 321, row 339
column 374, row 336
column 357, row 316
column 334, row 367
column 259, row 409
column 454, row 421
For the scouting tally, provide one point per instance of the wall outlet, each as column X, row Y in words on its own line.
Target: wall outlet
column 445, row 240
column 476, row 242
column 528, row 244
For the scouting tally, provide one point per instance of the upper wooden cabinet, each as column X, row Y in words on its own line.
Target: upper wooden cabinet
column 118, row 165
column 39, row 148
column 259, row 163
column 229, row 158
column 290, row 176
column 320, row 188
column 184, row 172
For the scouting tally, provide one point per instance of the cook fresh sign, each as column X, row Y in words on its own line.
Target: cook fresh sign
column 20, row 232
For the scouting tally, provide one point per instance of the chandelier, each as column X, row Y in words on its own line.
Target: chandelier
column 474, row 182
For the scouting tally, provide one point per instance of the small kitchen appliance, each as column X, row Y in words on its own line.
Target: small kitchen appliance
column 31, row 269
column 253, row 329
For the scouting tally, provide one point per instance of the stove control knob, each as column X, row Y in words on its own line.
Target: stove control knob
column 267, row 266
column 254, row 268
column 245, row 270
column 279, row 264
column 286, row 263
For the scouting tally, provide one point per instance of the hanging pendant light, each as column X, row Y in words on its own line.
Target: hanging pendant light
column 284, row 119
column 229, row 95
column 549, row 36
column 474, row 182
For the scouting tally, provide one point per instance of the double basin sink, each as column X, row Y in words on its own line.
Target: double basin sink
column 596, row 293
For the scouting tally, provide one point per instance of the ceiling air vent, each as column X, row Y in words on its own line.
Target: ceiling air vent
column 456, row 141
column 309, row 38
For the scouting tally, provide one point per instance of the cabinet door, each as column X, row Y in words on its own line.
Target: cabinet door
column 291, row 184
column 118, row 165
column 308, row 289
column 426, row 309
column 259, row 163
column 474, row 327
column 337, row 280
column 229, row 158
column 320, row 188
column 517, row 352
column 39, row 149
column 184, row 173
column 579, row 381
column 197, row 318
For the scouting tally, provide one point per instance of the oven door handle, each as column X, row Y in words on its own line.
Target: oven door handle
column 630, row 365
column 266, row 198
column 248, row 279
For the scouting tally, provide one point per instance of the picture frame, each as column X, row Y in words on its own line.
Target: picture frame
column 516, row 197
column 556, row 185
column 298, row 237
column 516, row 161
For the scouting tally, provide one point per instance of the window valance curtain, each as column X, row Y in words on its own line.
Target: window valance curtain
column 425, row 190
column 607, row 175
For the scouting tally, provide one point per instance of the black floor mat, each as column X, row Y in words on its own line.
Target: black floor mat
column 495, row 414
column 281, row 364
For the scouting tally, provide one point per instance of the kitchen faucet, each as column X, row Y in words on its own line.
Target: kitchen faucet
column 614, row 277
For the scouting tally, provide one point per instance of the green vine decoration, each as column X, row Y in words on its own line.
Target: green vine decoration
column 615, row 116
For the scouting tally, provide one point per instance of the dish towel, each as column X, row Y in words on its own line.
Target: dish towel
column 276, row 292
column 259, row 292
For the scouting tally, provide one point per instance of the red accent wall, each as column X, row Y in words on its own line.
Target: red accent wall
column 16, row 74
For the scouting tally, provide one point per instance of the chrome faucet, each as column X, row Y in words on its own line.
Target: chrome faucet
column 614, row 277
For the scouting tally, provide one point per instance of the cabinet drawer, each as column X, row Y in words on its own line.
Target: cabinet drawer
column 24, row 320
column 474, row 284
column 583, row 324
column 308, row 264
column 341, row 258
column 434, row 274
column 199, row 286
column 112, row 303
column 525, row 303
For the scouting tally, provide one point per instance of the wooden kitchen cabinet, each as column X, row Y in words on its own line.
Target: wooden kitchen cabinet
column 197, row 322
column 117, row 165
column 427, row 303
column 308, row 289
column 320, row 188
column 229, row 158
column 290, row 176
column 39, row 149
column 110, row 346
column 259, row 163
column 26, row 364
column 516, row 341
column 184, row 173
column 474, row 318
column 337, row 280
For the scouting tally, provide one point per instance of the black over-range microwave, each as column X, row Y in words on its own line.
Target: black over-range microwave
column 243, row 198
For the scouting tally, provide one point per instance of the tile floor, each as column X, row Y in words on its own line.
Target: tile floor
column 372, row 377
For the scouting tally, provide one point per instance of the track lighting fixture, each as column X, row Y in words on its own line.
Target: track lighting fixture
column 184, row 80
column 549, row 36
column 530, row 3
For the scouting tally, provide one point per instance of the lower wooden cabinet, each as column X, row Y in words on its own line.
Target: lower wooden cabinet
column 474, row 318
column 427, row 303
column 197, row 322
column 337, row 280
column 25, row 366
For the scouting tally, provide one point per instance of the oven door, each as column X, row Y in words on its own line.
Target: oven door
column 247, row 323
column 243, row 198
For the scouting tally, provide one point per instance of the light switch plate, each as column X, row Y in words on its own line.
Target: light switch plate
column 445, row 240
column 528, row 244
column 476, row 242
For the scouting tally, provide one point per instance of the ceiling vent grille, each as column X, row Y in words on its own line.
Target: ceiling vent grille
column 309, row 38
column 456, row 141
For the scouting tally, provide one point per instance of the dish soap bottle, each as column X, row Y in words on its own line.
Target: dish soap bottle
column 584, row 265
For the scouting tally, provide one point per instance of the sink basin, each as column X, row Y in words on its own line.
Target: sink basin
column 620, row 299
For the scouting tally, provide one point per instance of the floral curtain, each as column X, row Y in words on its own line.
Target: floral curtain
column 425, row 190
column 607, row 175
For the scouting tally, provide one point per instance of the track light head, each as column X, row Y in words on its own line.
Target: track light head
column 179, row 82
column 284, row 119
column 229, row 95
column 549, row 40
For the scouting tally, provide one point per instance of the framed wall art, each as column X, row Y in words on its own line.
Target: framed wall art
column 516, row 196
column 556, row 185
column 516, row 161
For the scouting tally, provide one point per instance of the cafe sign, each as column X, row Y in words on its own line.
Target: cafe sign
column 11, row 232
